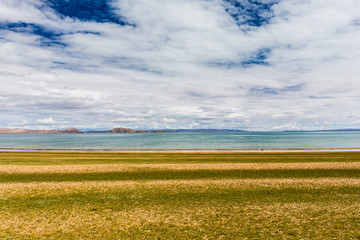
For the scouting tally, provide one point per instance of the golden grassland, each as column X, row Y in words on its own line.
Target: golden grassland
column 180, row 195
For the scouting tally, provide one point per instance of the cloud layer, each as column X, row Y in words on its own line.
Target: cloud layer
column 235, row 64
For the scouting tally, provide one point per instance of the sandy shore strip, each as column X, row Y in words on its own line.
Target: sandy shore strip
column 183, row 150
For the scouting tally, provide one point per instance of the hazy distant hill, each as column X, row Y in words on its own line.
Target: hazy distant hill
column 129, row 130
column 327, row 130
column 31, row 131
column 121, row 130
column 204, row 130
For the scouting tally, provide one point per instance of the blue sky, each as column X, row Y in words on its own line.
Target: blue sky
column 147, row 64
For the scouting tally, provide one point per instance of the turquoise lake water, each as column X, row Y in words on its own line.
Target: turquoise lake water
column 224, row 140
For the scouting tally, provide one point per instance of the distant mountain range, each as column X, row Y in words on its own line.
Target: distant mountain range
column 73, row 130
column 129, row 130
column 31, row 131
column 326, row 130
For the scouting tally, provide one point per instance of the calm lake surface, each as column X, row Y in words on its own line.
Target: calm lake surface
column 224, row 140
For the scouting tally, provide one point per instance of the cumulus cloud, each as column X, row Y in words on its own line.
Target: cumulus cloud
column 47, row 121
column 237, row 64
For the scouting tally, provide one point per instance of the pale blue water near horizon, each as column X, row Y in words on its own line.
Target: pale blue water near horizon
column 181, row 140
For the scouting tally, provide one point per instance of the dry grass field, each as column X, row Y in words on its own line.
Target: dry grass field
column 180, row 195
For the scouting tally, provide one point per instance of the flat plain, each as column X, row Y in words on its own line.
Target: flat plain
column 287, row 195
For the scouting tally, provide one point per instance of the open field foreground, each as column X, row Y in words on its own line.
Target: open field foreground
column 179, row 195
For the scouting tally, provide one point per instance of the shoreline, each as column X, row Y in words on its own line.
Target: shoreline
column 182, row 150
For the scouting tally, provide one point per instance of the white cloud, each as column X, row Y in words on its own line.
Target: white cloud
column 47, row 121
column 182, row 65
column 168, row 120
